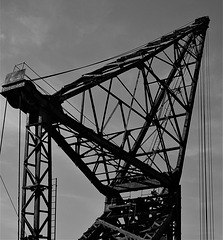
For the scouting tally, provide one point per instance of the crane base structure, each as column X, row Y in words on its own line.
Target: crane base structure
column 127, row 134
column 156, row 216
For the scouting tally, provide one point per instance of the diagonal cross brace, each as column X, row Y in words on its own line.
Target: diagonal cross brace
column 128, row 235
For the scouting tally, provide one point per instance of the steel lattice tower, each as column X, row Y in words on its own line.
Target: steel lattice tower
column 128, row 137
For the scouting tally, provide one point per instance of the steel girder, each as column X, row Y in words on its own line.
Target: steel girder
column 128, row 130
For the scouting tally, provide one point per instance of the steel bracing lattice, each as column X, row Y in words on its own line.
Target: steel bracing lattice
column 128, row 131
column 37, row 182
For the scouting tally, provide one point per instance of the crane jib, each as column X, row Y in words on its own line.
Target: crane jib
column 142, row 150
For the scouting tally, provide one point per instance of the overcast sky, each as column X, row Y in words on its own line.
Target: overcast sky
column 56, row 35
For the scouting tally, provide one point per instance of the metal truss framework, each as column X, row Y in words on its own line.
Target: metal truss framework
column 37, row 182
column 127, row 133
column 152, row 217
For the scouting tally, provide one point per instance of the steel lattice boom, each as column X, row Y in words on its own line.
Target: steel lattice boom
column 128, row 135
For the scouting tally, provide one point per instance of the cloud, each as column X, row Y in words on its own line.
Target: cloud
column 35, row 30
column 22, row 31
column 28, row 31
column 2, row 36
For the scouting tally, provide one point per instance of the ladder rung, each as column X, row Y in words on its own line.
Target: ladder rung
column 53, row 208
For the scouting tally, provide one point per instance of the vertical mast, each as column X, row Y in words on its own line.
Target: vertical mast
column 37, row 182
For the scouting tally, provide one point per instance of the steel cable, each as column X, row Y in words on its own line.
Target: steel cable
column 3, row 126
column 19, row 164
column 17, row 212
column 206, row 187
column 105, row 60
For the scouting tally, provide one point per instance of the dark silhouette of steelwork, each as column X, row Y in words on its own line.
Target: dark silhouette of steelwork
column 128, row 137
